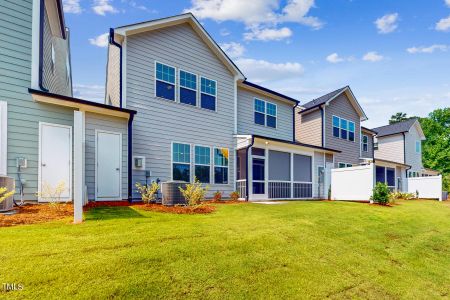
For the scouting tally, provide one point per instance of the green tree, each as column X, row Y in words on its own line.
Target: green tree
column 436, row 147
column 398, row 117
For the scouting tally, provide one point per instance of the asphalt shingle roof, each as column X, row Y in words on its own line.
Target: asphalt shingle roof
column 395, row 128
column 323, row 99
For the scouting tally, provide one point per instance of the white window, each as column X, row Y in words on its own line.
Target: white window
column 208, row 93
column 53, row 59
column 418, row 146
column 365, row 143
column 3, row 137
column 181, row 162
column 188, row 88
column 343, row 129
column 165, row 81
column 265, row 113
column 221, row 157
column 203, row 164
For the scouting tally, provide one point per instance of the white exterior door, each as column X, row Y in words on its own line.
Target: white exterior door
column 109, row 165
column 55, row 162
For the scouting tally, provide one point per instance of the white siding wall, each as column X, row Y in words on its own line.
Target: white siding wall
column 390, row 148
column 413, row 158
column 246, row 122
column 160, row 122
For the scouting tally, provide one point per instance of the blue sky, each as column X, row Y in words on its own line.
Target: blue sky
column 395, row 55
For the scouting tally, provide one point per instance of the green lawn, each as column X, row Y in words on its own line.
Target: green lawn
column 294, row 250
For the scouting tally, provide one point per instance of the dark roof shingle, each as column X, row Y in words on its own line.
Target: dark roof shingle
column 323, row 99
column 395, row 128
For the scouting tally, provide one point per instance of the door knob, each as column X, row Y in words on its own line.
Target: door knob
column 43, row 165
column 117, row 169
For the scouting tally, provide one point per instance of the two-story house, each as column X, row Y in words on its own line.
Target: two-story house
column 198, row 116
column 402, row 143
column 41, row 123
column 334, row 121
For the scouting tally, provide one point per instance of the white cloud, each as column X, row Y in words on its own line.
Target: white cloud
column 136, row 5
column 95, row 93
column 443, row 24
column 265, row 15
column 101, row 7
column 261, row 70
column 100, row 41
column 387, row 23
column 334, row 58
column 372, row 56
column 447, row 2
column 429, row 49
column 268, row 34
column 72, row 6
column 233, row 49
column 224, row 32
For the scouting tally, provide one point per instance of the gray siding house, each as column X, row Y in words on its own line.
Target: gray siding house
column 41, row 124
column 334, row 121
column 198, row 116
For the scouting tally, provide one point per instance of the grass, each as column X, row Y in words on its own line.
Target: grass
column 294, row 250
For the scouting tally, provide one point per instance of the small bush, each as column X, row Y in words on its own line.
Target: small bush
column 217, row 196
column 234, row 196
column 381, row 193
column 4, row 194
column 194, row 193
column 401, row 196
column 52, row 194
column 147, row 192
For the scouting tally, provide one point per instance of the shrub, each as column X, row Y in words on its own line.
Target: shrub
column 234, row 196
column 194, row 193
column 147, row 192
column 381, row 193
column 401, row 196
column 52, row 194
column 217, row 196
column 4, row 194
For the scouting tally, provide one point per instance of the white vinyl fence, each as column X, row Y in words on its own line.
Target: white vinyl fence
column 428, row 187
column 355, row 183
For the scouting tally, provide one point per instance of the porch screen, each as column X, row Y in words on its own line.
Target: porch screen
column 390, row 176
column 279, row 166
column 241, row 161
column 380, row 174
column 302, row 168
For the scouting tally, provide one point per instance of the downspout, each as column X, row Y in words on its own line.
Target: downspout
column 246, row 168
column 404, row 154
column 293, row 121
column 373, row 148
column 112, row 41
column 130, row 157
column 322, row 115
column 41, row 46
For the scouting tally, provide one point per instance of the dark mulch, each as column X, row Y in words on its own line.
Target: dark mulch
column 37, row 213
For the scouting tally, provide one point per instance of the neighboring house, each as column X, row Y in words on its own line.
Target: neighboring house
column 402, row 142
column 198, row 117
column 46, row 135
column 334, row 121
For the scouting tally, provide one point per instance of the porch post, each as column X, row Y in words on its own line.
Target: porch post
column 78, row 164
column 292, row 174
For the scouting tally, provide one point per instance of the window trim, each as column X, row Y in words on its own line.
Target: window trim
column 265, row 113
column 214, row 166
column 175, row 84
column 340, row 128
column 364, row 143
column 200, row 93
column 179, row 88
column 172, row 162
column 196, row 164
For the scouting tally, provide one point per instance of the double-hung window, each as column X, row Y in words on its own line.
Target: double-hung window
column 221, row 156
column 165, row 81
column 365, row 143
column 343, row 129
column 260, row 112
column 181, row 162
column 202, row 164
column 418, row 146
column 336, row 126
column 208, row 93
column 188, row 88
column 265, row 113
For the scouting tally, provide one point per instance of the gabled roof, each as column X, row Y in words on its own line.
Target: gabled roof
column 181, row 19
column 368, row 130
column 262, row 89
column 397, row 128
column 325, row 99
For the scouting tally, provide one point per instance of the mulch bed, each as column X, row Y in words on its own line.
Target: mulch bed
column 36, row 213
